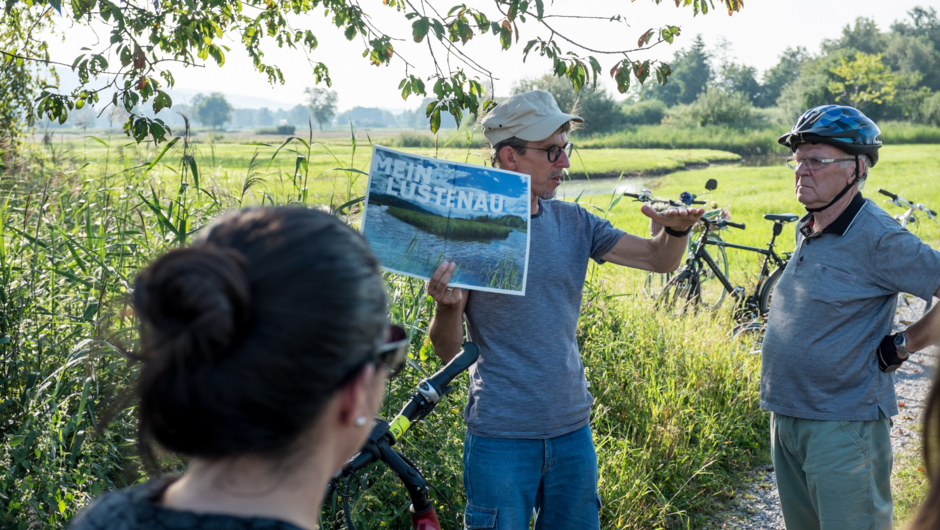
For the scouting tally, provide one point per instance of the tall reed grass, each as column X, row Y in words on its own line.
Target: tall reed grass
column 675, row 416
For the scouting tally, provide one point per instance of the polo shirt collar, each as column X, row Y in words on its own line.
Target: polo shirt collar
column 840, row 226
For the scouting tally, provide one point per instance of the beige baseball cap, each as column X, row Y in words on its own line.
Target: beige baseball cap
column 530, row 116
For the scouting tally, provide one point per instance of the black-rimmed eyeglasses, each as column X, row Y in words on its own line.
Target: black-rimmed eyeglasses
column 554, row 151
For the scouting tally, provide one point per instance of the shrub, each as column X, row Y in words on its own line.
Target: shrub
column 286, row 130
column 741, row 141
column 648, row 112
column 930, row 110
column 413, row 139
column 715, row 107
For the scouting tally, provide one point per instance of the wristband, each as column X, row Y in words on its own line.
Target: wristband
column 676, row 233
column 887, row 353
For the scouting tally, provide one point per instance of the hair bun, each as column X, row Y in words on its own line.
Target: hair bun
column 195, row 298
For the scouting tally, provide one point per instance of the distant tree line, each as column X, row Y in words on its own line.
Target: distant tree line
column 889, row 75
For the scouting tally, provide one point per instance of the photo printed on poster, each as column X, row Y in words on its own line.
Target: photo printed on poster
column 422, row 211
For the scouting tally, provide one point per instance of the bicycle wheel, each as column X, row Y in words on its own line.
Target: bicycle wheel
column 711, row 291
column 679, row 294
column 767, row 291
column 751, row 334
column 654, row 283
column 367, row 500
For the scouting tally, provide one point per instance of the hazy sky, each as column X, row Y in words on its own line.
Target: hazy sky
column 756, row 36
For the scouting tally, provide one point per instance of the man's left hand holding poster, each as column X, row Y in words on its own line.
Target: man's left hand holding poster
column 421, row 211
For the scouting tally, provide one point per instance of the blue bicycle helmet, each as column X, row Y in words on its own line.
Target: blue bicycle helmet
column 839, row 126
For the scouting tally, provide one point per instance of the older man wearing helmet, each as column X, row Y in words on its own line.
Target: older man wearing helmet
column 828, row 355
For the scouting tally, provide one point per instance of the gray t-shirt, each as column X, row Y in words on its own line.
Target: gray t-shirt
column 529, row 381
column 834, row 304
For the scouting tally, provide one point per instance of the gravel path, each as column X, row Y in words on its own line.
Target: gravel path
column 757, row 505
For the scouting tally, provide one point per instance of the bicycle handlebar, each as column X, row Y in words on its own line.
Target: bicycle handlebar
column 721, row 223
column 902, row 202
column 649, row 198
column 893, row 196
column 384, row 435
column 440, row 381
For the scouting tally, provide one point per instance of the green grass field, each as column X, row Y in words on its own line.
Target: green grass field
column 676, row 417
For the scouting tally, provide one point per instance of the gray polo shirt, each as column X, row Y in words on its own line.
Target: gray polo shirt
column 834, row 304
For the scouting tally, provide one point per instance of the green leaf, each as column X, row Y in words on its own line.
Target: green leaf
column 438, row 29
column 420, row 28
column 161, row 101
column 417, row 86
column 505, row 35
column 436, row 120
column 439, row 88
column 166, row 148
column 350, row 32
column 195, row 171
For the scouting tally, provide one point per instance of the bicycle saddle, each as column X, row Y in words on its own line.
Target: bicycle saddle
column 783, row 217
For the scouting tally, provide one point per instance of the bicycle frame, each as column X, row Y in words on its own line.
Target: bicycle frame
column 701, row 253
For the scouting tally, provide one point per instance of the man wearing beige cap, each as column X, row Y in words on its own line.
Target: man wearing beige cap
column 528, row 444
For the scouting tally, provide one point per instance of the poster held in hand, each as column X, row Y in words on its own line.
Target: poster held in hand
column 422, row 211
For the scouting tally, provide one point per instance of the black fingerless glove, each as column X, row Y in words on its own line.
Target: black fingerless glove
column 888, row 358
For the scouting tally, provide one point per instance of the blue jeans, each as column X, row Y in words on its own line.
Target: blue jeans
column 506, row 478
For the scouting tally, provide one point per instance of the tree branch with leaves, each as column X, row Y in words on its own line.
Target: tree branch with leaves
column 149, row 38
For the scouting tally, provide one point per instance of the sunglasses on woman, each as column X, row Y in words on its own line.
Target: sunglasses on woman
column 393, row 353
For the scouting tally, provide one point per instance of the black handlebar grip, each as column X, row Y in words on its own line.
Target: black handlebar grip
column 888, row 193
column 742, row 226
column 634, row 195
column 458, row 364
column 932, row 212
column 698, row 202
column 366, row 456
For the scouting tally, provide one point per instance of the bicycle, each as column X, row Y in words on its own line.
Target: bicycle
column 656, row 281
column 905, row 219
column 378, row 448
column 687, row 286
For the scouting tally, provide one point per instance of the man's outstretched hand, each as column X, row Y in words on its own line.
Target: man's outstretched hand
column 677, row 218
column 437, row 285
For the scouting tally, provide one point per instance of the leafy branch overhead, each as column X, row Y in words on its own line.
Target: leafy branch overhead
column 150, row 37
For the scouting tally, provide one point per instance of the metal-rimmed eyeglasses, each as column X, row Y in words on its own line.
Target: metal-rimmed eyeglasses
column 554, row 151
column 813, row 163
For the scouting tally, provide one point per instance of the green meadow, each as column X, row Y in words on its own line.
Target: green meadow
column 676, row 417
column 451, row 228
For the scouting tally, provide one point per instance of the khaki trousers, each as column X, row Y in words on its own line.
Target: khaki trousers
column 833, row 475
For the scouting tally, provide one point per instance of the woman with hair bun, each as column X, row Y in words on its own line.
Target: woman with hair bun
column 265, row 348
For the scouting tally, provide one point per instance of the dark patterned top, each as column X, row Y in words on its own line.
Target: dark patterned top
column 135, row 509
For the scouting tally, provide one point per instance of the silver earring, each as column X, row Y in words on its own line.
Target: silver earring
column 360, row 421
